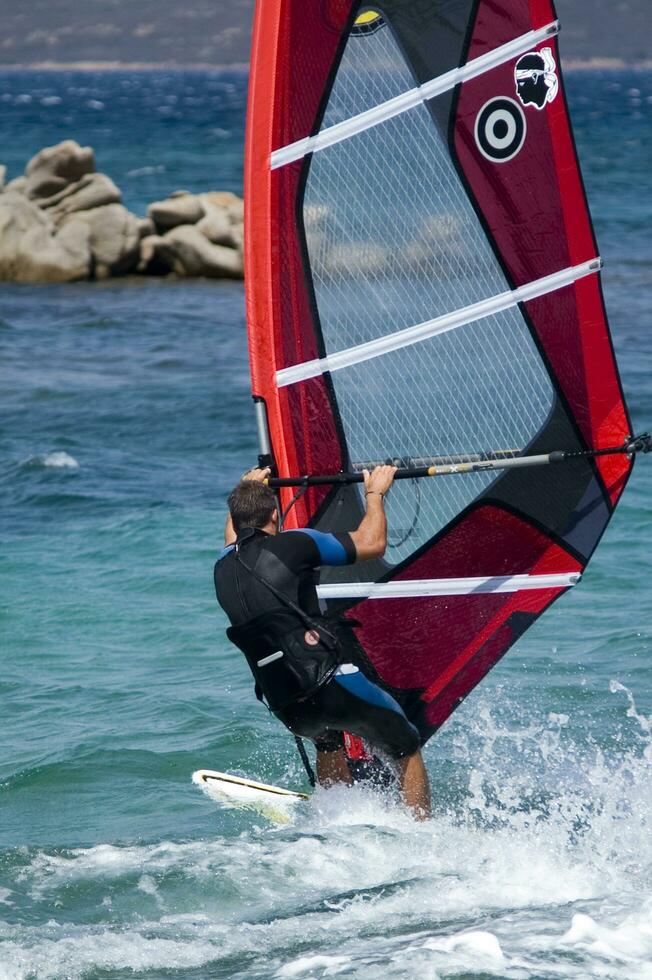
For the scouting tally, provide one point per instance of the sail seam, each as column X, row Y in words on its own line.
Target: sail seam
column 413, row 97
column 447, row 586
column 441, row 324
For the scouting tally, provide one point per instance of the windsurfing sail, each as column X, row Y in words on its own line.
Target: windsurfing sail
column 422, row 282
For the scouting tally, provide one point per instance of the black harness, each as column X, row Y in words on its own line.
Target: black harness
column 290, row 654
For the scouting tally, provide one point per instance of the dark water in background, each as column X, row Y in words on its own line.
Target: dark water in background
column 153, row 132
column 125, row 418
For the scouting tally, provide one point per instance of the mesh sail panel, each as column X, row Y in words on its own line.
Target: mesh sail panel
column 393, row 241
column 370, row 73
column 442, row 396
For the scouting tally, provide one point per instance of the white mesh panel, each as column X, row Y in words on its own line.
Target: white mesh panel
column 394, row 241
column 369, row 73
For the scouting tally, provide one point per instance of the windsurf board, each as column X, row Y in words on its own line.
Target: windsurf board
column 273, row 802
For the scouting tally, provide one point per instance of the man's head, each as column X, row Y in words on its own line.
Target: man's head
column 252, row 504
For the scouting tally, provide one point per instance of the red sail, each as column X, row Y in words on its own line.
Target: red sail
column 423, row 281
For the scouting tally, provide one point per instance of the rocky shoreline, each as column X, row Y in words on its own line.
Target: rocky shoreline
column 63, row 221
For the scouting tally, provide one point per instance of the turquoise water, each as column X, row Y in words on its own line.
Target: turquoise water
column 125, row 420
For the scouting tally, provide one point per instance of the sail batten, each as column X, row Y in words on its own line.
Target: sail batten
column 459, row 318
column 450, row 586
column 413, row 97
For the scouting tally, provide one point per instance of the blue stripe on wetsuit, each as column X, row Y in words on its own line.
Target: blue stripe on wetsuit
column 331, row 551
column 363, row 688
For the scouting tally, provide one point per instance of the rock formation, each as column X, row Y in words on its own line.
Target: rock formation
column 62, row 221
column 113, row 237
column 197, row 235
column 32, row 250
column 181, row 208
column 57, row 166
column 92, row 191
column 187, row 252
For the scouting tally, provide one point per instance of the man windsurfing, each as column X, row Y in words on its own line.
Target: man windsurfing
column 302, row 662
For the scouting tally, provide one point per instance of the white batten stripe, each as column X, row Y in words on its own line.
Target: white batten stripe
column 446, row 586
column 422, row 331
column 415, row 96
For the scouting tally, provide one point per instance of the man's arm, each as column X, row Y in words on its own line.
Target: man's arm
column 370, row 539
column 229, row 531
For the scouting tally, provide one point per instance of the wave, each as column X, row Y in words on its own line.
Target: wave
column 59, row 461
column 56, row 460
column 146, row 171
column 540, row 867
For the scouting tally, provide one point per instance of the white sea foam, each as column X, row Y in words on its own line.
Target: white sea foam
column 76, row 955
column 482, row 943
column 147, row 885
column 146, row 171
column 629, row 942
column 644, row 723
column 543, row 868
column 57, row 460
column 328, row 966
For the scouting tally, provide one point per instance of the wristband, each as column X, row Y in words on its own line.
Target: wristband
column 367, row 492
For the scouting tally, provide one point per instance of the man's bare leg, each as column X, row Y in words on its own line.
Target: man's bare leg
column 332, row 768
column 415, row 788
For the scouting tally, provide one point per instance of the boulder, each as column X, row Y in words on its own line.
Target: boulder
column 224, row 200
column 181, row 208
column 32, row 251
column 92, row 191
column 216, row 227
column 237, row 237
column 74, row 240
column 189, row 253
column 18, row 184
column 114, row 238
column 146, row 227
column 3, row 174
column 53, row 199
column 149, row 262
column 224, row 217
column 236, row 210
column 56, row 166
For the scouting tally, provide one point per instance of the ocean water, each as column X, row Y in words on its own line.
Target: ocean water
column 125, row 419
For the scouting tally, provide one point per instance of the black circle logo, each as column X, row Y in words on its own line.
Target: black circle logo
column 500, row 129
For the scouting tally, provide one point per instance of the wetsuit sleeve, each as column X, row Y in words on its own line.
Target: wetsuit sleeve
column 332, row 549
column 225, row 551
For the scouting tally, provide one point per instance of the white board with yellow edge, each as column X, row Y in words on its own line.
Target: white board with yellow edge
column 273, row 802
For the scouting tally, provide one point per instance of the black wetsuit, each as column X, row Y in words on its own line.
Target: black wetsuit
column 349, row 701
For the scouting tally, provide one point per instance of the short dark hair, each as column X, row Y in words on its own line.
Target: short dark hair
column 251, row 504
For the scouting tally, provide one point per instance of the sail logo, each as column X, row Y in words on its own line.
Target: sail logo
column 536, row 79
column 500, row 129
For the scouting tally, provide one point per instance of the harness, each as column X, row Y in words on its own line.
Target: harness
column 290, row 654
